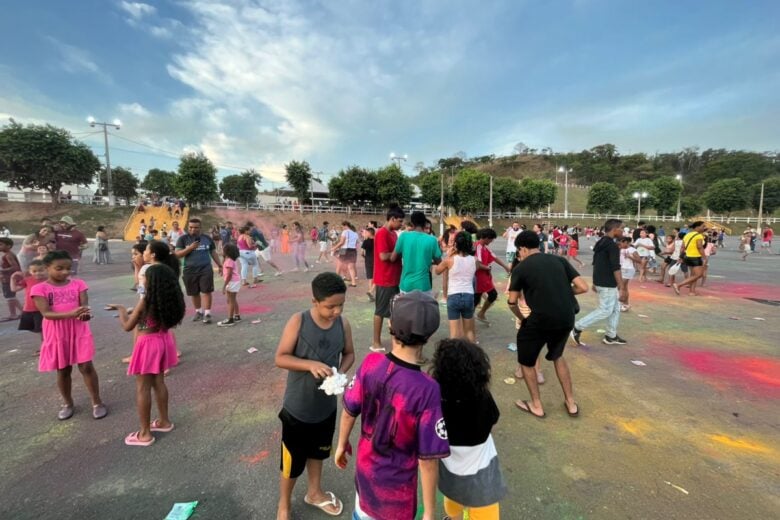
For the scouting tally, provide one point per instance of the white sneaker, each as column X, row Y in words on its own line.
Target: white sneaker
column 278, row 273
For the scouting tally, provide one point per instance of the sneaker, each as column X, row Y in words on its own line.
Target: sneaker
column 207, row 319
column 224, row 323
column 575, row 335
column 198, row 316
column 278, row 273
column 624, row 308
column 617, row 340
column 236, row 318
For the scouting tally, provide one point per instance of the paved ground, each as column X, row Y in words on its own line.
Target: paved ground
column 693, row 434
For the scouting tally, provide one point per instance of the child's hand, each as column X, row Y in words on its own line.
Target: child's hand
column 341, row 457
column 78, row 311
column 113, row 306
column 320, row 370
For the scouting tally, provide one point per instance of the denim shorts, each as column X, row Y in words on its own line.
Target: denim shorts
column 460, row 305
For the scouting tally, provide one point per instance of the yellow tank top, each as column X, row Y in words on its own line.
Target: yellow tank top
column 690, row 240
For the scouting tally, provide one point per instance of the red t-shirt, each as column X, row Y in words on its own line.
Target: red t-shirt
column 386, row 274
column 484, row 278
column 71, row 241
column 29, row 282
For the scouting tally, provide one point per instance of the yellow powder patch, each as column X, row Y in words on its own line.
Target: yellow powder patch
column 636, row 427
column 741, row 444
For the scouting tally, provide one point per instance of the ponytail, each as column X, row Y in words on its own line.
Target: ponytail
column 162, row 253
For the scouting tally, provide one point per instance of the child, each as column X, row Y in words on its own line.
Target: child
column 67, row 339
column 744, row 245
column 484, row 276
column 460, row 267
column 367, row 251
column 232, row 285
column 646, row 250
column 137, row 261
column 574, row 251
column 9, row 265
column 402, row 426
column 154, row 352
column 470, row 478
column 312, row 342
column 32, row 319
column 628, row 258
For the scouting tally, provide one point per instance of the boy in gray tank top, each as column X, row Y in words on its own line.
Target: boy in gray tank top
column 312, row 342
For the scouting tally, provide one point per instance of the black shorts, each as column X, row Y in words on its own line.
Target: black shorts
column 8, row 294
column 492, row 295
column 32, row 321
column 384, row 300
column 695, row 261
column 302, row 441
column 668, row 260
column 369, row 270
column 199, row 282
column 531, row 339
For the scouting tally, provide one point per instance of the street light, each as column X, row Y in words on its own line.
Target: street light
column 116, row 123
column 398, row 158
column 639, row 196
column 679, row 198
column 566, row 172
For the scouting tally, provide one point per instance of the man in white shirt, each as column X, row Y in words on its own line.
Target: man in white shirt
column 510, row 234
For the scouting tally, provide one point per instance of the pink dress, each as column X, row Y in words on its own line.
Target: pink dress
column 153, row 353
column 65, row 342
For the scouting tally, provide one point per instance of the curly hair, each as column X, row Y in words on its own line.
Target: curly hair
column 463, row 243
column 461, row 368
column 231, row 251
column 162, row 253
column 53, row 256
column 164, row 299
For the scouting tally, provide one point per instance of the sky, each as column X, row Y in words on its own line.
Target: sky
column 256, row 83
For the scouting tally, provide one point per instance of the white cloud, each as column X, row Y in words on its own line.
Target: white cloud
column 76, row 60
column 135, row 109
column 137, row 10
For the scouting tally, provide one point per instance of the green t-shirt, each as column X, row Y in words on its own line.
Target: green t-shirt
column 417, row 250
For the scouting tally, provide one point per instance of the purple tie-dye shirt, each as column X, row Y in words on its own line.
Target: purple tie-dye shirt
column 401, row 423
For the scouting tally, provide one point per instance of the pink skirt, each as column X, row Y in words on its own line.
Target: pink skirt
column 65, row 343
column 153, row 354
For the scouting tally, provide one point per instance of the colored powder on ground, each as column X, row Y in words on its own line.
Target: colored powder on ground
column 759, row 375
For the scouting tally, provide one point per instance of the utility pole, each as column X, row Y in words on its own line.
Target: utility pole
column 109, row 187
column 490, row 210
column 760, row 210
column 441, row 206
column 679, row 198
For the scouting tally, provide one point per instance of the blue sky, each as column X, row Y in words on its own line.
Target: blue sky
column 256, row 83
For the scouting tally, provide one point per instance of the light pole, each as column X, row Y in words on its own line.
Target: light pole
column 566, row 172
column 639, row 196
column 490, row 207
column 398, row 158
column 441, row 206
column 679, row 198
column 116, row 124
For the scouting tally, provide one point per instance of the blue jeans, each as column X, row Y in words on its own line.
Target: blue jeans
column 460, row 305
column 609, row 309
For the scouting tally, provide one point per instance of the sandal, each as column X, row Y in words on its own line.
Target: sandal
column 527, row 409
column 572, row 414
column 99, row 411
column 155, row 427
column 335, row 502
column 133, row 440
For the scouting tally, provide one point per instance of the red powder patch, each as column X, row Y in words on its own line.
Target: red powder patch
column 743, row 290
column 257, row 457
column 754, row 374
column 254, row 309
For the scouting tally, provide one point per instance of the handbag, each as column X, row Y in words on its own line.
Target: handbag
column 674, row 269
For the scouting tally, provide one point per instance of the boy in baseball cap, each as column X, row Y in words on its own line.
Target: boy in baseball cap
column 402, row 424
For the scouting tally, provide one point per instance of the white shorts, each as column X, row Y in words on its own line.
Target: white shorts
column 265, row 254
column 233, row 287
column 627, row 274
column 323, row 247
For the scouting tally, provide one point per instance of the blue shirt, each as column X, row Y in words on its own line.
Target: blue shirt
column 200, row 258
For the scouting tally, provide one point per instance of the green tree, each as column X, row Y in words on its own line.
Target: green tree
column 771, row 195
column 240, row 188
column 355, row 185
column 197, row 179
column 430, row 187
column 726, row 195
column 44, row 157
column 690, row 206
column 665, row 192
column 507, row 194
column 538, row 193
column 392, row 186
column 298, row 174
column 160, row 182
column 603, row 197
column 123, row 183
column 751, row 167
column 472, row 190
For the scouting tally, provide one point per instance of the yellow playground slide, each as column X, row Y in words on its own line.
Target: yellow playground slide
column 161, row 216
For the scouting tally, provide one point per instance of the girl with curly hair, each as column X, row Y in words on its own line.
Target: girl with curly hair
column 462, row 370
column 161, row 309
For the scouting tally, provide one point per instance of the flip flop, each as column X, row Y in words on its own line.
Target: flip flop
column 572, row 414
column 676, row 289
column 133, row 440
column 527, row 409
column 153, row 426
column 335, row 502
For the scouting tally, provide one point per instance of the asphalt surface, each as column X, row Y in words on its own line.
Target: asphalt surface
column 691, row 434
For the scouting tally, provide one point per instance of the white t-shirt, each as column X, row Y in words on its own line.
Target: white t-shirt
column 645, row 247
column 174, row 235
column 626, row 261
column 511, row 234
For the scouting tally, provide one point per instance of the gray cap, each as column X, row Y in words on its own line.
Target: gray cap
column 414, row 316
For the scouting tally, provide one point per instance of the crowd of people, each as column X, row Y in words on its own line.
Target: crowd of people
column 436, row 424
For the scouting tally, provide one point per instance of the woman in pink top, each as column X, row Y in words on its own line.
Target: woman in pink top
column 247, row 256
column 67, row 339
